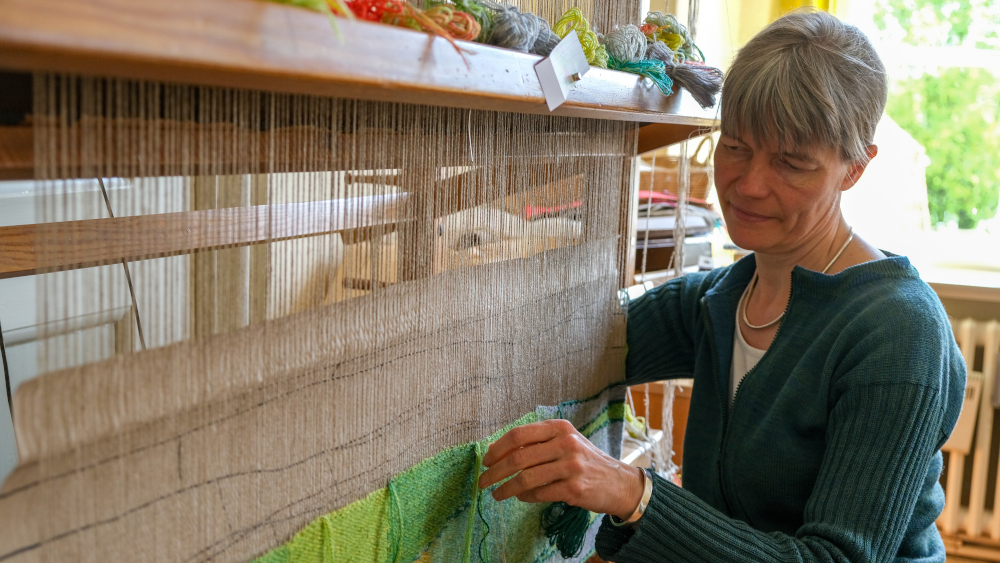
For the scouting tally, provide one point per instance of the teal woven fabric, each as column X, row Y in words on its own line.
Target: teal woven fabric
column 436, row 512
column 831, row 450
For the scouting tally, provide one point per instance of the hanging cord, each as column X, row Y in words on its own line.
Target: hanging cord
column 645, row 234
column 6, row 371
column 680, row 213
column 128, row 277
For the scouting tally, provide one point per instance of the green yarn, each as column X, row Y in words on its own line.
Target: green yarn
column 566, row 527
column 652, row 69
column 435, row 510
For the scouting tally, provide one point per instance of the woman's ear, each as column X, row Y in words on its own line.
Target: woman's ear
column 857, row 168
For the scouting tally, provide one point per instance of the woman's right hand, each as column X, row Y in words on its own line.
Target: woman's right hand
column 551, row 461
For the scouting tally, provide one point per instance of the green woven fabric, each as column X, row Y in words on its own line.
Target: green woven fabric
column 435, row 512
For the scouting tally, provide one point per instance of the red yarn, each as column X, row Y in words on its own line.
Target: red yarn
column 371, row 10
column 647, row 28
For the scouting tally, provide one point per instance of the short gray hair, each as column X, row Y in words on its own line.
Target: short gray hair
column 807, row 79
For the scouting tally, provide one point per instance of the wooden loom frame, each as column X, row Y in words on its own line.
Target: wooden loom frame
column 265, row 46
column 262, row 45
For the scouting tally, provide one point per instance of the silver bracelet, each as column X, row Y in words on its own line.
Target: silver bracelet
column 647, row 492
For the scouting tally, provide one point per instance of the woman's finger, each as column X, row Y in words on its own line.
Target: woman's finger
column 553, row 492
column 531, row 478
column 517, row 460
column 525, row 436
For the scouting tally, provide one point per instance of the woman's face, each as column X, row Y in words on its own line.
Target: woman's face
column 776, row 202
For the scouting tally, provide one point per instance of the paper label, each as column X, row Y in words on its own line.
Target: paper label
column 559, row 72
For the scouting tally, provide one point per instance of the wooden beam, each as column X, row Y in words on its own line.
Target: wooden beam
column 658, row 135
column 93, row 242
column 266, row 46
column 302, row 149
column 80, row 244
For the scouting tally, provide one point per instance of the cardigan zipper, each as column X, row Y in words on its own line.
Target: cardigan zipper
column 736, row 395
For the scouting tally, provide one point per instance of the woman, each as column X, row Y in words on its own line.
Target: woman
column 826, row 374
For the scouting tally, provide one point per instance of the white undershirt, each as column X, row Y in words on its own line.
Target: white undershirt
column 745, row 357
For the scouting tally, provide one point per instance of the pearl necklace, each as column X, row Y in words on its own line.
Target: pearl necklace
column 748, row 292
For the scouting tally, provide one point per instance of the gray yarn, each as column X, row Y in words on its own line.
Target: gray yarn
column 658, row 50
column 703, row 82
column 520, row 31
column 626, row 44
column 547, row 40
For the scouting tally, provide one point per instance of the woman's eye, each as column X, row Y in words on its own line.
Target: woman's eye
column 791, row 166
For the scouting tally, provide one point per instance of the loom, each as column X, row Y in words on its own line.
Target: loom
column 326, row 293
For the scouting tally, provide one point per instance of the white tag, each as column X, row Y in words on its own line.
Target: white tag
column 960, row 440
column 558, row 72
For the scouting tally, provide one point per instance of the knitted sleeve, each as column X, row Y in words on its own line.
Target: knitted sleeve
column 661, row 329
column 882, row 438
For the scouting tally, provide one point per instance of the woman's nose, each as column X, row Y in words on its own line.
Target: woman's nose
column 755, row 181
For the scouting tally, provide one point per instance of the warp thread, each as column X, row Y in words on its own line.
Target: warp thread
column 626, row 44
column 573, row 20
column 703, row 82
column 566, row 527
column 652, row 69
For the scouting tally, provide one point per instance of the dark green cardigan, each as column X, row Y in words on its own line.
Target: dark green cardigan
column 831, row 450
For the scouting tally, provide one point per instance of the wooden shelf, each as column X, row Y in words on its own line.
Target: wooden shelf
column 265, row 46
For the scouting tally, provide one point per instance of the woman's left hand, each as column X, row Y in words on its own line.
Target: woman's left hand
column 551, row 461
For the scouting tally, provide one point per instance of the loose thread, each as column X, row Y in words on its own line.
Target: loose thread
column 476, row 492
column 484, row 552
column 397, row 545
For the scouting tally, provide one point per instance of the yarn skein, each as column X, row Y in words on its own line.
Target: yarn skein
column 399, row 12
column 672, row 33
column 626, row 44
column 573, row 20
column 511, row 28
column 703, row 82
column 474, row 8
column 459, row 25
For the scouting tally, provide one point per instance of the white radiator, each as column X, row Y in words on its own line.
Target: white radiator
column 972, row 530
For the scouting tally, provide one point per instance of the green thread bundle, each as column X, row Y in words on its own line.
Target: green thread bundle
column 566, row 527
column 650, row 68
